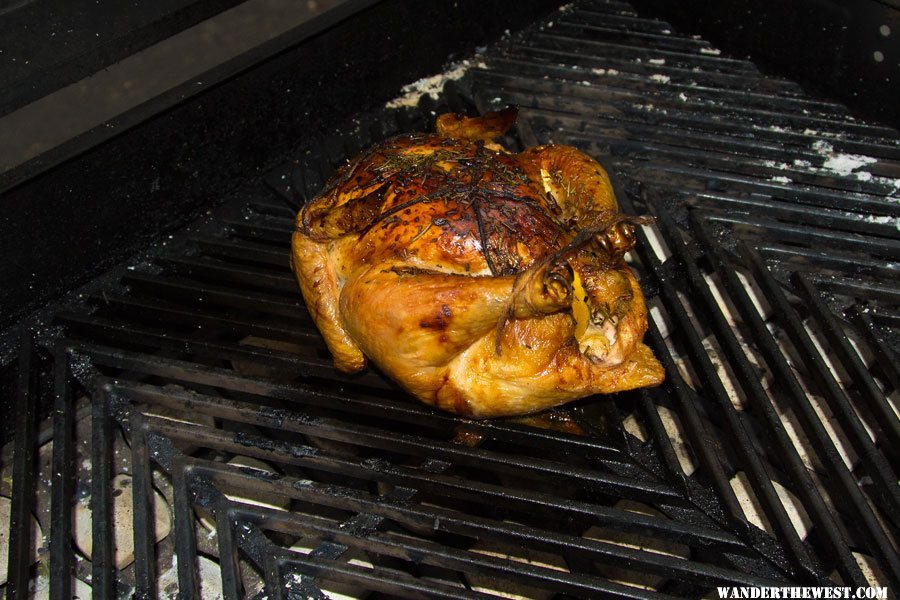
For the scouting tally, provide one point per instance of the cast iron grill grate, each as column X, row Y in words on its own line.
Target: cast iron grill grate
column 768, row 458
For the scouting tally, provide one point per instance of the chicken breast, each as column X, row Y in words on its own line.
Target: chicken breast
column 485, row 283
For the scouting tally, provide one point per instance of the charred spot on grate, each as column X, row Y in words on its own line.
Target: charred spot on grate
column 198, row 420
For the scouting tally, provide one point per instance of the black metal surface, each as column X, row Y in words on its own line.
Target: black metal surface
column 208, row 354
column 846, row 51
column 62, row 488
column 23, row 494
column 48, row 45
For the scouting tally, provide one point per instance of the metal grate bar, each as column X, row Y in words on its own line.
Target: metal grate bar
column 734, row 166
column 23, row 489
column 403, row 412
column 690, row 413
column 61, row 555
column 849, row 358
column 617, row 50
column 887, row 358
column 442, row 556
column 216, row 406
column 386, row 580
column 103, row 579
column 198, row 293
column 349, row 500
column 185, row 536
column 735, row 427
column 624, row 70
column 142, row 495
column 683, row 137
column 622, row 22
column 133, row 335
column 823, row 262
column 749, row 378
column 228, row 551
column 852, row 287
column 880, row 542
column 786, row 378
column 800, row 233
column 270, row 231
column 417, row 446
column 715, row 118
column 241, row 251
column 629, row 82
column 122, row 307
column 219, row 271
column 822, row 213
column 654, row 41
column 178, row 432
column 873, row 460
column 838, row 545
column 732, row 473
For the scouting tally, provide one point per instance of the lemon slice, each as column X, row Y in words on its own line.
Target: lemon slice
column 580, row 309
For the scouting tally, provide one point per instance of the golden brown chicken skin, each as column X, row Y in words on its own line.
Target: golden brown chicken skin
column 485, row 283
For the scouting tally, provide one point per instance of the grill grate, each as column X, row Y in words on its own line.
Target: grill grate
column 767, row 458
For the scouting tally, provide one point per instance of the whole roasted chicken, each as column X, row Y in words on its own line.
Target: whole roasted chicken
column 485, row 283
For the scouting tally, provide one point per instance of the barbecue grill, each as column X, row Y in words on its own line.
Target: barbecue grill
column 177, row 427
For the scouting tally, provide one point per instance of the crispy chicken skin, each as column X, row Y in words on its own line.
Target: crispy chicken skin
column 485, row 283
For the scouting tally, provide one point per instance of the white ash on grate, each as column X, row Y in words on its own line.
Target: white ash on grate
column 630, row 577
column 601, row 71
column 433, row 86
column 841, row 164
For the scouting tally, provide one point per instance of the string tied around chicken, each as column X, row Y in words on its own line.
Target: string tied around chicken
column 546, row 286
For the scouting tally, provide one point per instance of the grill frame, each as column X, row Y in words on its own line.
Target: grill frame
column 103, row 356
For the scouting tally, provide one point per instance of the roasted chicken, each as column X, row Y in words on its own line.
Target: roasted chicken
column 486, row 283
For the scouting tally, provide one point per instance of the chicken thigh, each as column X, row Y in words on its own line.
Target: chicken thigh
column 486, row 283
